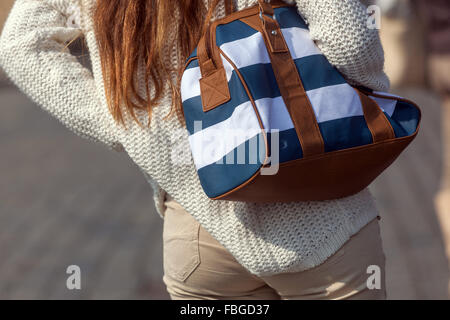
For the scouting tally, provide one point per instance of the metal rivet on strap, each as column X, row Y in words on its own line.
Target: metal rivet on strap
column 274, row 32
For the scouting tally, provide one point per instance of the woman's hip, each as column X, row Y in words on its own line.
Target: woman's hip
column 197, row 266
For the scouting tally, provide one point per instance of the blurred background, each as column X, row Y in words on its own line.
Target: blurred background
column 65, row 201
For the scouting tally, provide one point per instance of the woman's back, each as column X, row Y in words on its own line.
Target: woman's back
column 264, row 238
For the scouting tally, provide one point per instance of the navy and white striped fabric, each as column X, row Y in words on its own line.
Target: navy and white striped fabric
column 217, row 135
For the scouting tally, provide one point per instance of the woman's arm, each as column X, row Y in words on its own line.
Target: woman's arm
column 340, row 30
column 34, row 55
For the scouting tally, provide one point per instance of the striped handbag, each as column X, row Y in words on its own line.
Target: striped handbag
column 270, row 120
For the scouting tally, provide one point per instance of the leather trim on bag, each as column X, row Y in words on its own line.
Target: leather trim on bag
column 294, row 94
column 344, row 185
column 214, row 89
column 376, row 120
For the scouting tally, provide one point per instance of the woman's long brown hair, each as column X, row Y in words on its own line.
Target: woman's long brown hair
column 131, row 33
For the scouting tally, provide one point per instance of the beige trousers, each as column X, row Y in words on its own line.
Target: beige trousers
column 197, row 266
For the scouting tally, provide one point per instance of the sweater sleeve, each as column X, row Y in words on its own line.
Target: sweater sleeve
column 339, row 28
column 34, row 55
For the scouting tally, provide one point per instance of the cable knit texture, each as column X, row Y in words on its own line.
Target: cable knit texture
column 267, row 239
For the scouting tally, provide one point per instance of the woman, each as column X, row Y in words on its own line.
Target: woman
column 212, row 249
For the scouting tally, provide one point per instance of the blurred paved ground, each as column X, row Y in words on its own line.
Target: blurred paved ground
column 417, row 266
column 66, row 201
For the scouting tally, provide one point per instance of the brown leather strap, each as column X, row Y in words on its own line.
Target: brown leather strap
column 229, row 7
column 376, row 121
column 291, row 87
column 265, row 7
column 206, row 64
column 213, row 84
column 272, row 33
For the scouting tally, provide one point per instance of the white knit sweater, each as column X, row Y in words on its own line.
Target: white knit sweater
column 265, row 238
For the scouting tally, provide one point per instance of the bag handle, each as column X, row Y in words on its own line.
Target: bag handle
column 289, row 83
column 229, row 7
column 376, row 120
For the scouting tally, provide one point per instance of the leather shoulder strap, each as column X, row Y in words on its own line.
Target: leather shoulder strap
column 290, row 85
column 229, row 7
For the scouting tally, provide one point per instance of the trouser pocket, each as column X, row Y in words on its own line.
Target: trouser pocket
column 180, row 243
